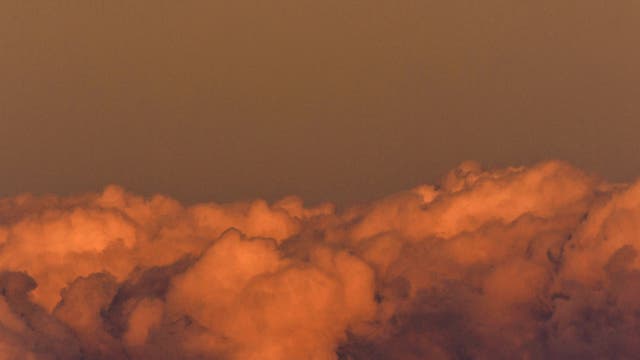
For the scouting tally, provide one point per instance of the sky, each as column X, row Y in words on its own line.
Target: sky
column 331, row 100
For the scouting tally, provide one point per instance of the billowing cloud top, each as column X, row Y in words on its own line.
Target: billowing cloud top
column 537, row 262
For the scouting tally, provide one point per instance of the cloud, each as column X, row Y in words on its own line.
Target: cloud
column 537, row 261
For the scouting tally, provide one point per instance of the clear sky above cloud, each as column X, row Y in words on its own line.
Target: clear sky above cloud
column 330, row 100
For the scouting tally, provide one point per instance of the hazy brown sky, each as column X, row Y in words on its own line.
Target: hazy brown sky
column 340, row 100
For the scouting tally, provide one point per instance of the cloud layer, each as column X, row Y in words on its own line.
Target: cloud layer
column 526, row 262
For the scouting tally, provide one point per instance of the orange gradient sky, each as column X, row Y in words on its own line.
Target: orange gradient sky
column 330, row 100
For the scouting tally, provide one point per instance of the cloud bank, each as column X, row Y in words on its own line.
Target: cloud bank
column 522, row 262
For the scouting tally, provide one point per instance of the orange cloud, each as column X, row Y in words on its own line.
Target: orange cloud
column 537, row 261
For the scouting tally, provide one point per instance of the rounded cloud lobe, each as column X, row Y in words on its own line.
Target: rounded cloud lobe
column 540, row 262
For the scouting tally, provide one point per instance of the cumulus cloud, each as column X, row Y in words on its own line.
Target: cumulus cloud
column 524, row 262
